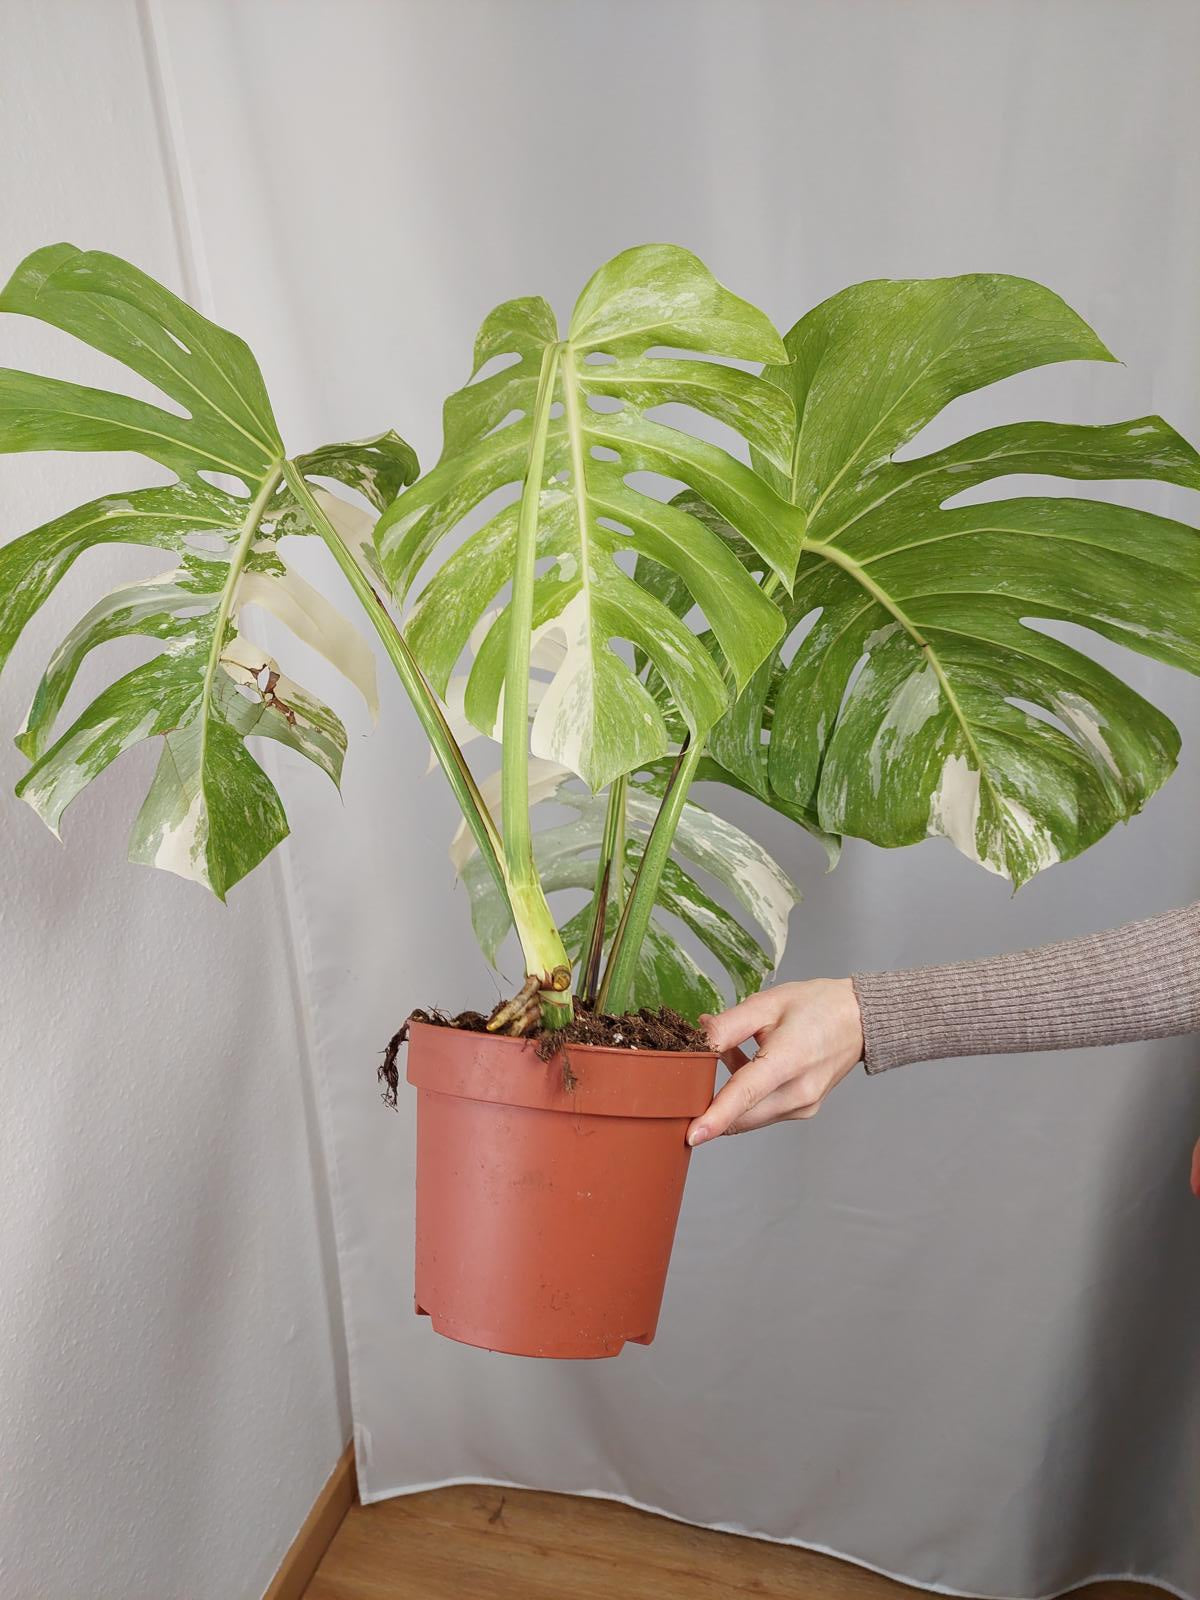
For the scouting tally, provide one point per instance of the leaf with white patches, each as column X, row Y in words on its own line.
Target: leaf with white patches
column 596, row 717
column 377, row 468
column 903, row 710
column 745, row 951
column 321, row 626
column 211, row 813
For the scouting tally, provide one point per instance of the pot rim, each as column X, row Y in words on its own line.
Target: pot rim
column 590, row 1049
column 607, row 1081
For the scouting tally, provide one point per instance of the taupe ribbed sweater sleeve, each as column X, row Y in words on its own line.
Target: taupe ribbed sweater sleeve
column 1141, row 981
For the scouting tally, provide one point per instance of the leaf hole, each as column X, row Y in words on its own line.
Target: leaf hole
column 598, row 358
column 209, row 542
column 495, row 364
column 1041, row 714
column 689, row 419
column 856, row 672
column 601, row 452
column 506, row 421
column 792, row 644
column 227, row 482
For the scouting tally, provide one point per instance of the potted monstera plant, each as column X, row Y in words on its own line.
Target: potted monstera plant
column 809, row 620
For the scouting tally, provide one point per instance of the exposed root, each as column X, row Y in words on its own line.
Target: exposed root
column 527, row 1021
column 389, row 1071
column 520, row 1015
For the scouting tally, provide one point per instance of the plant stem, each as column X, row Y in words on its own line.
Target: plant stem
column 545, row 956
column 610, row 885
column 237, row 564
column 616, row 991
column 425, row 703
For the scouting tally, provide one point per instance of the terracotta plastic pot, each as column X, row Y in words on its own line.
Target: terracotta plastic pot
column 546, row 1214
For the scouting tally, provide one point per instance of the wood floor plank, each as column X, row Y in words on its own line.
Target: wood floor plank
column 475, row 1542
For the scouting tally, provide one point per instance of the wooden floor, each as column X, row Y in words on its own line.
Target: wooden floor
column 483, row 1543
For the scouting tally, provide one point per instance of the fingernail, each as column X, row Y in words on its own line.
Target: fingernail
column 697, row 1136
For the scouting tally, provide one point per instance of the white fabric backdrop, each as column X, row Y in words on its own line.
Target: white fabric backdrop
column 948, row 1329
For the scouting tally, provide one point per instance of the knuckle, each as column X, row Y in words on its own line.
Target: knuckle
column 810, row 1090
column 751, row 1095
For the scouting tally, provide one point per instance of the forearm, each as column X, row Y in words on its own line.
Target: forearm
column 1140, row 981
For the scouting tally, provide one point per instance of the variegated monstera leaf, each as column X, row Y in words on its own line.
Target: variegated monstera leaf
column 922, row 697
column 574, row 414
column 211, row 813
column 709, row 855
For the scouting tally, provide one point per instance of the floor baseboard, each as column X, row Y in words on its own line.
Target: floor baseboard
column 316, row 1534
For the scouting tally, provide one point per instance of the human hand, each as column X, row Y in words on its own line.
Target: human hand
column 809, row 1037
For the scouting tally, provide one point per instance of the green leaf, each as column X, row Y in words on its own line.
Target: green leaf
column 705, row 844
column 105, row 302
column 378, row 468
column 595, row 716
column 924, row 698
column 211, row 813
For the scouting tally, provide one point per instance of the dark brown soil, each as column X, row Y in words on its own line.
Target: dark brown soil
column 663, row 1029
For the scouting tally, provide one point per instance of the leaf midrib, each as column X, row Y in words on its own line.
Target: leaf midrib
column 237, row 562
column 573, row 419
column 848, row 565
column 271, row 449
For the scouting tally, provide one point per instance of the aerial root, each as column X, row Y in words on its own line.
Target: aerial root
column 521, row 1014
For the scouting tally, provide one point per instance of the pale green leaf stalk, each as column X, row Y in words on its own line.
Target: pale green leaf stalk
column 608, row 891
column 616, row 989
column 545, row 957
column 736, row 949
column 424, row 701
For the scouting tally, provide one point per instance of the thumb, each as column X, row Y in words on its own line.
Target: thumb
column 741, row 1022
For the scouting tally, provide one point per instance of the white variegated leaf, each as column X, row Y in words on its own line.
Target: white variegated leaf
column 596, row 716
column 545, row 655
column 320, row 625
column 211, row 813
column 905, row 709
column 668, row 974
column 546, row 779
